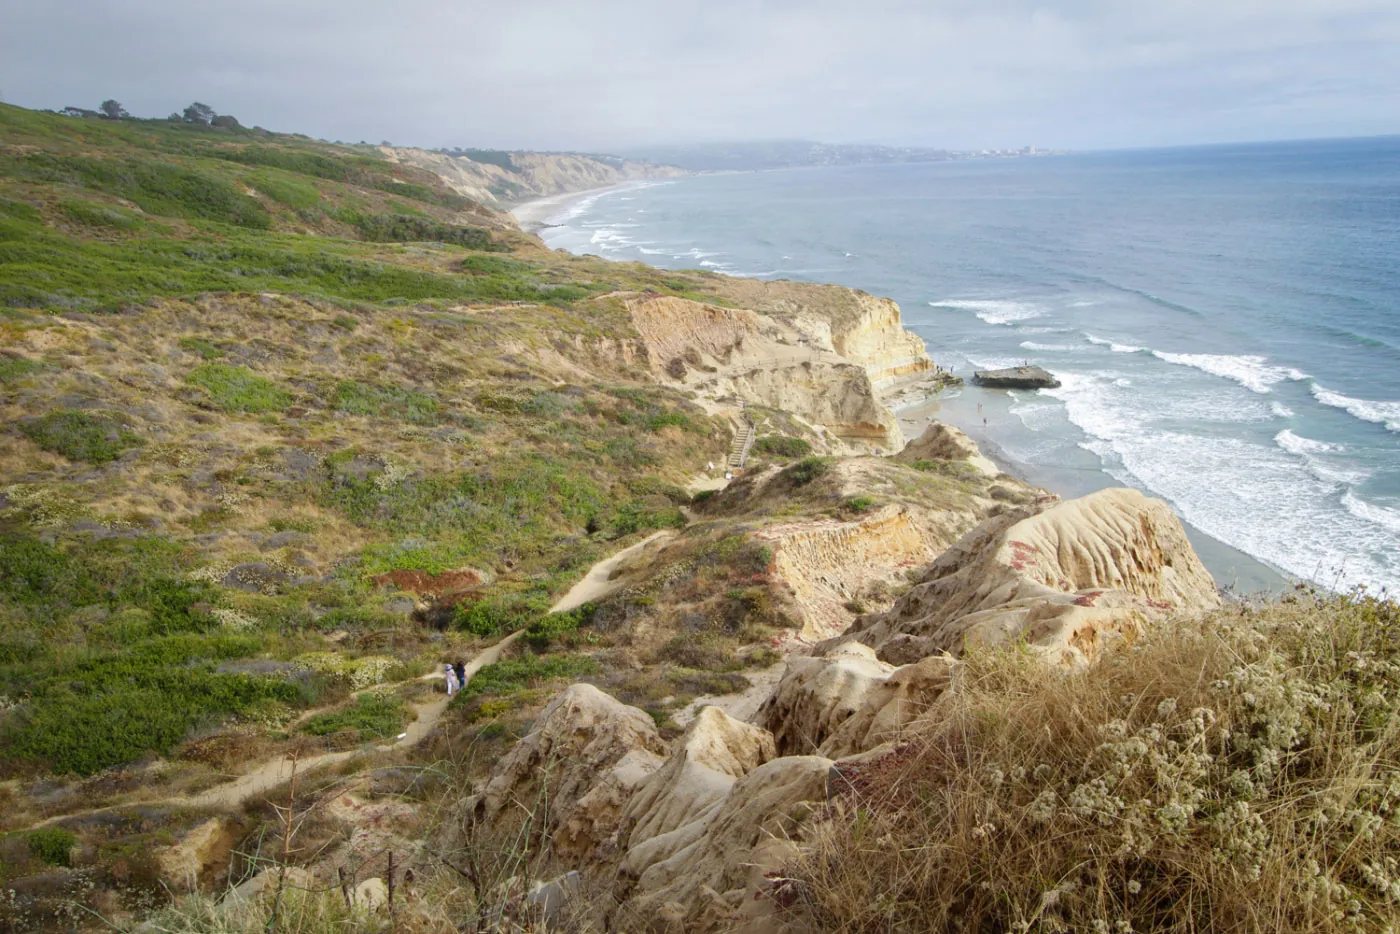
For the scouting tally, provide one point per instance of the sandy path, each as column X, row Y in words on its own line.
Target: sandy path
column 595, row 584
column 277, row 771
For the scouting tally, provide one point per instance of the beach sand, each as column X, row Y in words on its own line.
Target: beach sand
column 1233, row 570
column 536, row 215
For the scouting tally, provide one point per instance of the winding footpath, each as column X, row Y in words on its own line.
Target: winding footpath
column 233, row 794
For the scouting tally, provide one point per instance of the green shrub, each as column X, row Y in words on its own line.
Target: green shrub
column 957, row 470
column 782, row 446
column 404, row 228
column 100, row 215
column 287, row 191
column 238, row 389
column 80, row 436
column 206, row 349
column 859, row 503
column 479, row 265
column 806, row 470
column 501, row 614
column 51, row 845
column 13, row 368
column 372, row 715
column 513, row 675
column 156, row 187
column 547, row 629
column 409, row 405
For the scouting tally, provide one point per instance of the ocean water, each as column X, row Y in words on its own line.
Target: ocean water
column 1225, row 320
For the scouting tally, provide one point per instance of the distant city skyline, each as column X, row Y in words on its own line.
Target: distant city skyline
column 607, row 77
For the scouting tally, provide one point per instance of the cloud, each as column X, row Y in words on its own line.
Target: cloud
column 602, row 75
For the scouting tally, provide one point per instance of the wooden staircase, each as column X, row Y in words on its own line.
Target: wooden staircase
column 743, row 441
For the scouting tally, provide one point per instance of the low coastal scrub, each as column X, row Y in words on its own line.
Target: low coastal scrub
column 1238, row 773
column 81, row 436
column 529, row 671
column 238, row 389
column 782, row 446
column 372, row 715
column 806, row 470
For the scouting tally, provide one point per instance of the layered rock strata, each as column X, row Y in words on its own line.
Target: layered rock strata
column 1061, row 578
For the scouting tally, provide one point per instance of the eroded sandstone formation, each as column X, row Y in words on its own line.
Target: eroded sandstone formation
column 694, row 837
column 1061, row 578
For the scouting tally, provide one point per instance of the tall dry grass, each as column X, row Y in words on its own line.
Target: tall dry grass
column 1235, row 773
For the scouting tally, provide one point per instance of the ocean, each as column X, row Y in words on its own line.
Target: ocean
column 1225, row 320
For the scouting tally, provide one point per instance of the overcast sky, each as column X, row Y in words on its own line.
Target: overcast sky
column 605, row 74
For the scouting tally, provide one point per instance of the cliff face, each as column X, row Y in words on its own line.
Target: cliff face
column 532, row 174
column 863, row 329
column 877, row 340
column 790, row 362
column 1064, row 579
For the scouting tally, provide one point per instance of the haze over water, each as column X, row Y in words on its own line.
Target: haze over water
column 1225, row 320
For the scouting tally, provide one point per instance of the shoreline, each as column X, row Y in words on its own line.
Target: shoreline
column 533, row 215
column 1235, row 571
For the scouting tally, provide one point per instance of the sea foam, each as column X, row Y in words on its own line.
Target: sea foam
column 1381, row 413
column 1296, row 444
column 1251, row 371
column 1114, row 346
column 995, row 312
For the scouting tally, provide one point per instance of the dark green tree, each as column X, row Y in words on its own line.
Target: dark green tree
column 200, row 113
column 113, row 110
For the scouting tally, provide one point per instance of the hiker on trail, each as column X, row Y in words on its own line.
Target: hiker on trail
column 461, row 669
column 452, row 683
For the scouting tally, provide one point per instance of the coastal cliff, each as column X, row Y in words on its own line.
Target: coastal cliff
column 521, row 176
column 255, row 498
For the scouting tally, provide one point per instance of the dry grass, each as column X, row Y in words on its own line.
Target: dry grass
column 1238, row 773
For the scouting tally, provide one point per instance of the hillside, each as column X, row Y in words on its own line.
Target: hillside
column 287, row 426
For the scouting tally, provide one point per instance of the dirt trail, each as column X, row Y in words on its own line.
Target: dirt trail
column 595, row 584
column 234, row 793
column 273, row 773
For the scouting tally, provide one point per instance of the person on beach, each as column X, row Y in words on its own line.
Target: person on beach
column 452, row 683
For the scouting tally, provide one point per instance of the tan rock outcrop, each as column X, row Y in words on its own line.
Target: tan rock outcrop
column 788, row 362
column 706, row 883
column 863, row 329
column 827, row 563
column 876, row 339
column 587, row 752
column 941, row 442
column 908, row 696
column 1061, row 578
column 201, row 857
column 817, row 694
column 706, row 760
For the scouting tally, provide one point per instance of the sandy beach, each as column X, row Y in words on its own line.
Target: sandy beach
column 540, row 213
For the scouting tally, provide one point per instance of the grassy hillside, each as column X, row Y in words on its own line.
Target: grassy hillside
column 248, row 383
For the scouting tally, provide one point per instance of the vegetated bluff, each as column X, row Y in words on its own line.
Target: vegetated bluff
column 288, row 425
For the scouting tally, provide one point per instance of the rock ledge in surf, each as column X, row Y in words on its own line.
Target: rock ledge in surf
column 1016, row 377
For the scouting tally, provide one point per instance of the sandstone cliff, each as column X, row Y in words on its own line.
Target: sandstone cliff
column 790, row 362
column 531, row 174
column 1063, row 579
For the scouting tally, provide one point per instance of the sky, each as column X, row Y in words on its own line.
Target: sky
column 602, row 75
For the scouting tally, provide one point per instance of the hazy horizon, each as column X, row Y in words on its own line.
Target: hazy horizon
column 587, row 76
